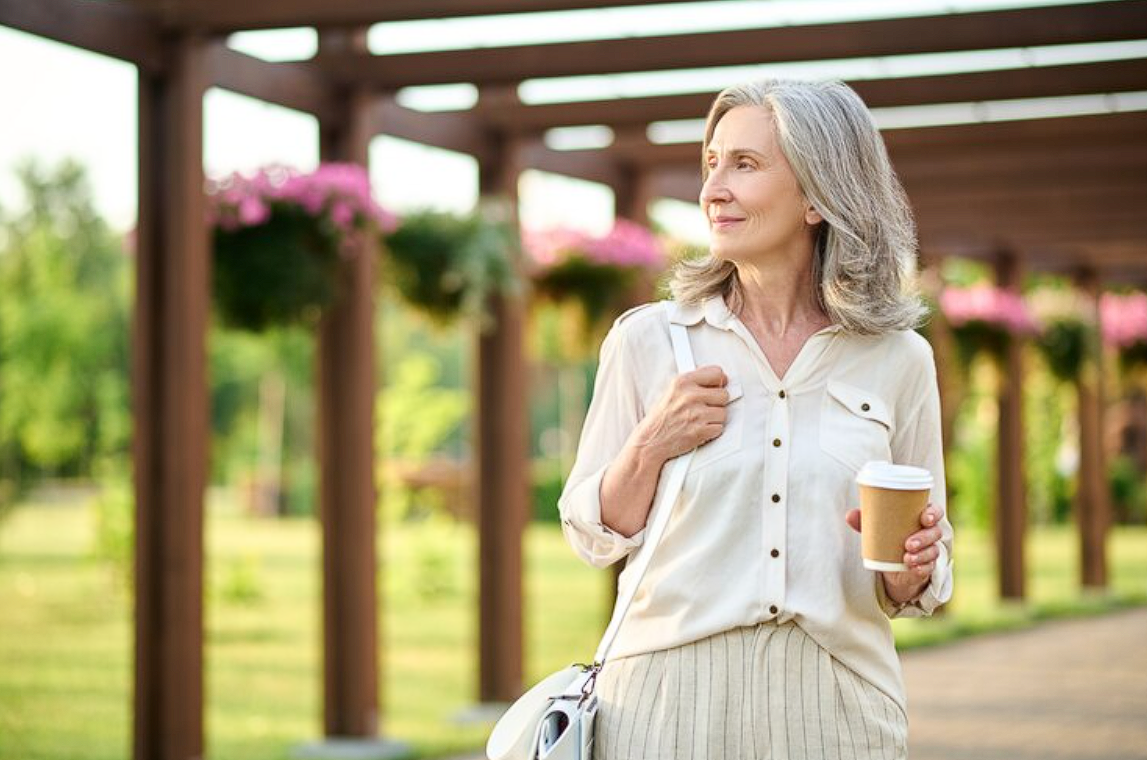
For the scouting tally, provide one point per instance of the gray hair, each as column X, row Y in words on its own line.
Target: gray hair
column 865, row 254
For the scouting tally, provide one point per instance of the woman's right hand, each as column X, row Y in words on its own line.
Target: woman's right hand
column 691, row 412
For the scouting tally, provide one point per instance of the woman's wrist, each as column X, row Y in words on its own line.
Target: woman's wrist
column 904, row 593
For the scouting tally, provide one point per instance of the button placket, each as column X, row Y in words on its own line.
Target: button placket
column 776, row 504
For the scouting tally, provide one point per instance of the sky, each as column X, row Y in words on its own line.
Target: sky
column 83, row 105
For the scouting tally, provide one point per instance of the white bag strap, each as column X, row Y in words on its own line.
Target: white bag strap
column 660, row 511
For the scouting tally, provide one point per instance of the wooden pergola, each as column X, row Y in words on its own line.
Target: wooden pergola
column 1059, row 194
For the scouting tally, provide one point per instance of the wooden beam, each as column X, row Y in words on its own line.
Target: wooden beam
column 112, row 29
column 298, row 85
column 170, row 406
column 1056, row 25
column 984, row 139
column 1033, row 82
column 456, row 131
column 346, row 397
column 225, row 15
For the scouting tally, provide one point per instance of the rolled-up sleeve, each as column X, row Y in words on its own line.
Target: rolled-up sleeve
column 614, row 412
column 919, row 441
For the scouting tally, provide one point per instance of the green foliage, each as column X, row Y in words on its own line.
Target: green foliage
column 64, row 329
column 1128, row 491
column 238, row 363
column 547, row 483
column 277, row 274
column 1066, row 344
column 446, row 265
column 415, row 417
column 114, row 544
column 598, row 288
column 241, row 583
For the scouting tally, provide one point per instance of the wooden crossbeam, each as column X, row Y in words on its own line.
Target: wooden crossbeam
column 1034, row 82
column 112, row 29
column 1125, row 129
column 297, row 85
column 1081, row 23
column 226, row 15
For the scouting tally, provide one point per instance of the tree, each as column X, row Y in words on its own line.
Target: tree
column 64, row 276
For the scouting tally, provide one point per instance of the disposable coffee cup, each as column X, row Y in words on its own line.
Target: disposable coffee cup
column 892, row 498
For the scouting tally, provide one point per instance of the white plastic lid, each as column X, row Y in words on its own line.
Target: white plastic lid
column 899, row 477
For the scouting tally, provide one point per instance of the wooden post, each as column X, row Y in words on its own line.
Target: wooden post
column 1011, row 506
column 170, row 405
column 950, row 378
column 502, row 452
column 632, row 195
column 1092, row 503
column 346, row 391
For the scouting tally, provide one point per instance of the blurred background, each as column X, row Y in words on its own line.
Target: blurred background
column 242, row 246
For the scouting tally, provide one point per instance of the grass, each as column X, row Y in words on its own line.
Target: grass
column 66, row 634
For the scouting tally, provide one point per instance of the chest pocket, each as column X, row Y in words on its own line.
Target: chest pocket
column 731, row 438
column 855, row 425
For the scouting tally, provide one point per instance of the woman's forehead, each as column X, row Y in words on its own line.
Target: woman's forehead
column 748, row 128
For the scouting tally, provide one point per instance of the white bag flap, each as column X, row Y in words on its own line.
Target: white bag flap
column 513, row 734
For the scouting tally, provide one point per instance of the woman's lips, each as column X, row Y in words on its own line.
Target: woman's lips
column 725, row 222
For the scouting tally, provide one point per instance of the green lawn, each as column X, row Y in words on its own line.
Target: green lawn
column 65, row 628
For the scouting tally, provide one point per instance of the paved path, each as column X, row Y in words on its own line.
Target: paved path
column 1064, row 690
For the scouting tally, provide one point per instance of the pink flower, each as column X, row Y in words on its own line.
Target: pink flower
column 988, row 304
column 628, row 244
column 253, row 211
column 340, row 192
column 1123, row 319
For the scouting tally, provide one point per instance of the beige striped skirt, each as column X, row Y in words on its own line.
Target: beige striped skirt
column 767, row 692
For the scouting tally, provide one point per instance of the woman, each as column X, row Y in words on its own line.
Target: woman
column 757, row 632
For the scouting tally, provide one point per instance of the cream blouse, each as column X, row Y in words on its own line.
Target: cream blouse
column 758, row 532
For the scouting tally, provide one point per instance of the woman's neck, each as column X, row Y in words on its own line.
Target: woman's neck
column 780, row 298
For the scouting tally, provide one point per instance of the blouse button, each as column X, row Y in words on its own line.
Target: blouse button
column 781, row 394
column 865, row 407
column 775, row 553
column 776, row 441
column 773, row 609
column 776, row 498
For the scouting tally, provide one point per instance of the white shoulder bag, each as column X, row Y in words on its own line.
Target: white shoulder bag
column 555, row 719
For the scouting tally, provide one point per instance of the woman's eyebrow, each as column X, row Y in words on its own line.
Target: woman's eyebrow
column 736, row 151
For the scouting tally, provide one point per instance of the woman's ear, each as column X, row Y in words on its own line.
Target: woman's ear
column 812, row 217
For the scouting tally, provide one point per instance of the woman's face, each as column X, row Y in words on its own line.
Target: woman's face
column 751, row 198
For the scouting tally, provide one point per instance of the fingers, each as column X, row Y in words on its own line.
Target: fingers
column 921, row 558
column 709, row 376
column 852, row 517
column 930, row 535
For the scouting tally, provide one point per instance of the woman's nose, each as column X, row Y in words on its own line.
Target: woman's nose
column 714, row 189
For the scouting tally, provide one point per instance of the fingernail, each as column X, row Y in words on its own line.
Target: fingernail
column 913, row 545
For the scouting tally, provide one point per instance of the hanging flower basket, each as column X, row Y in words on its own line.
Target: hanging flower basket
column 1067, row 335
column 984, row 319
column 598, row 274
column 278, row 236
column 1123, row 323
column 447, row 265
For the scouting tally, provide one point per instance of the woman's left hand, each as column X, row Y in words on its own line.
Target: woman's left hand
column 920, row 555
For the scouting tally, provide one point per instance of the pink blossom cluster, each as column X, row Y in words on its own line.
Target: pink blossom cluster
column 1123, row 319
column 627, row 244
column 338, row 191
column 988, row 304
